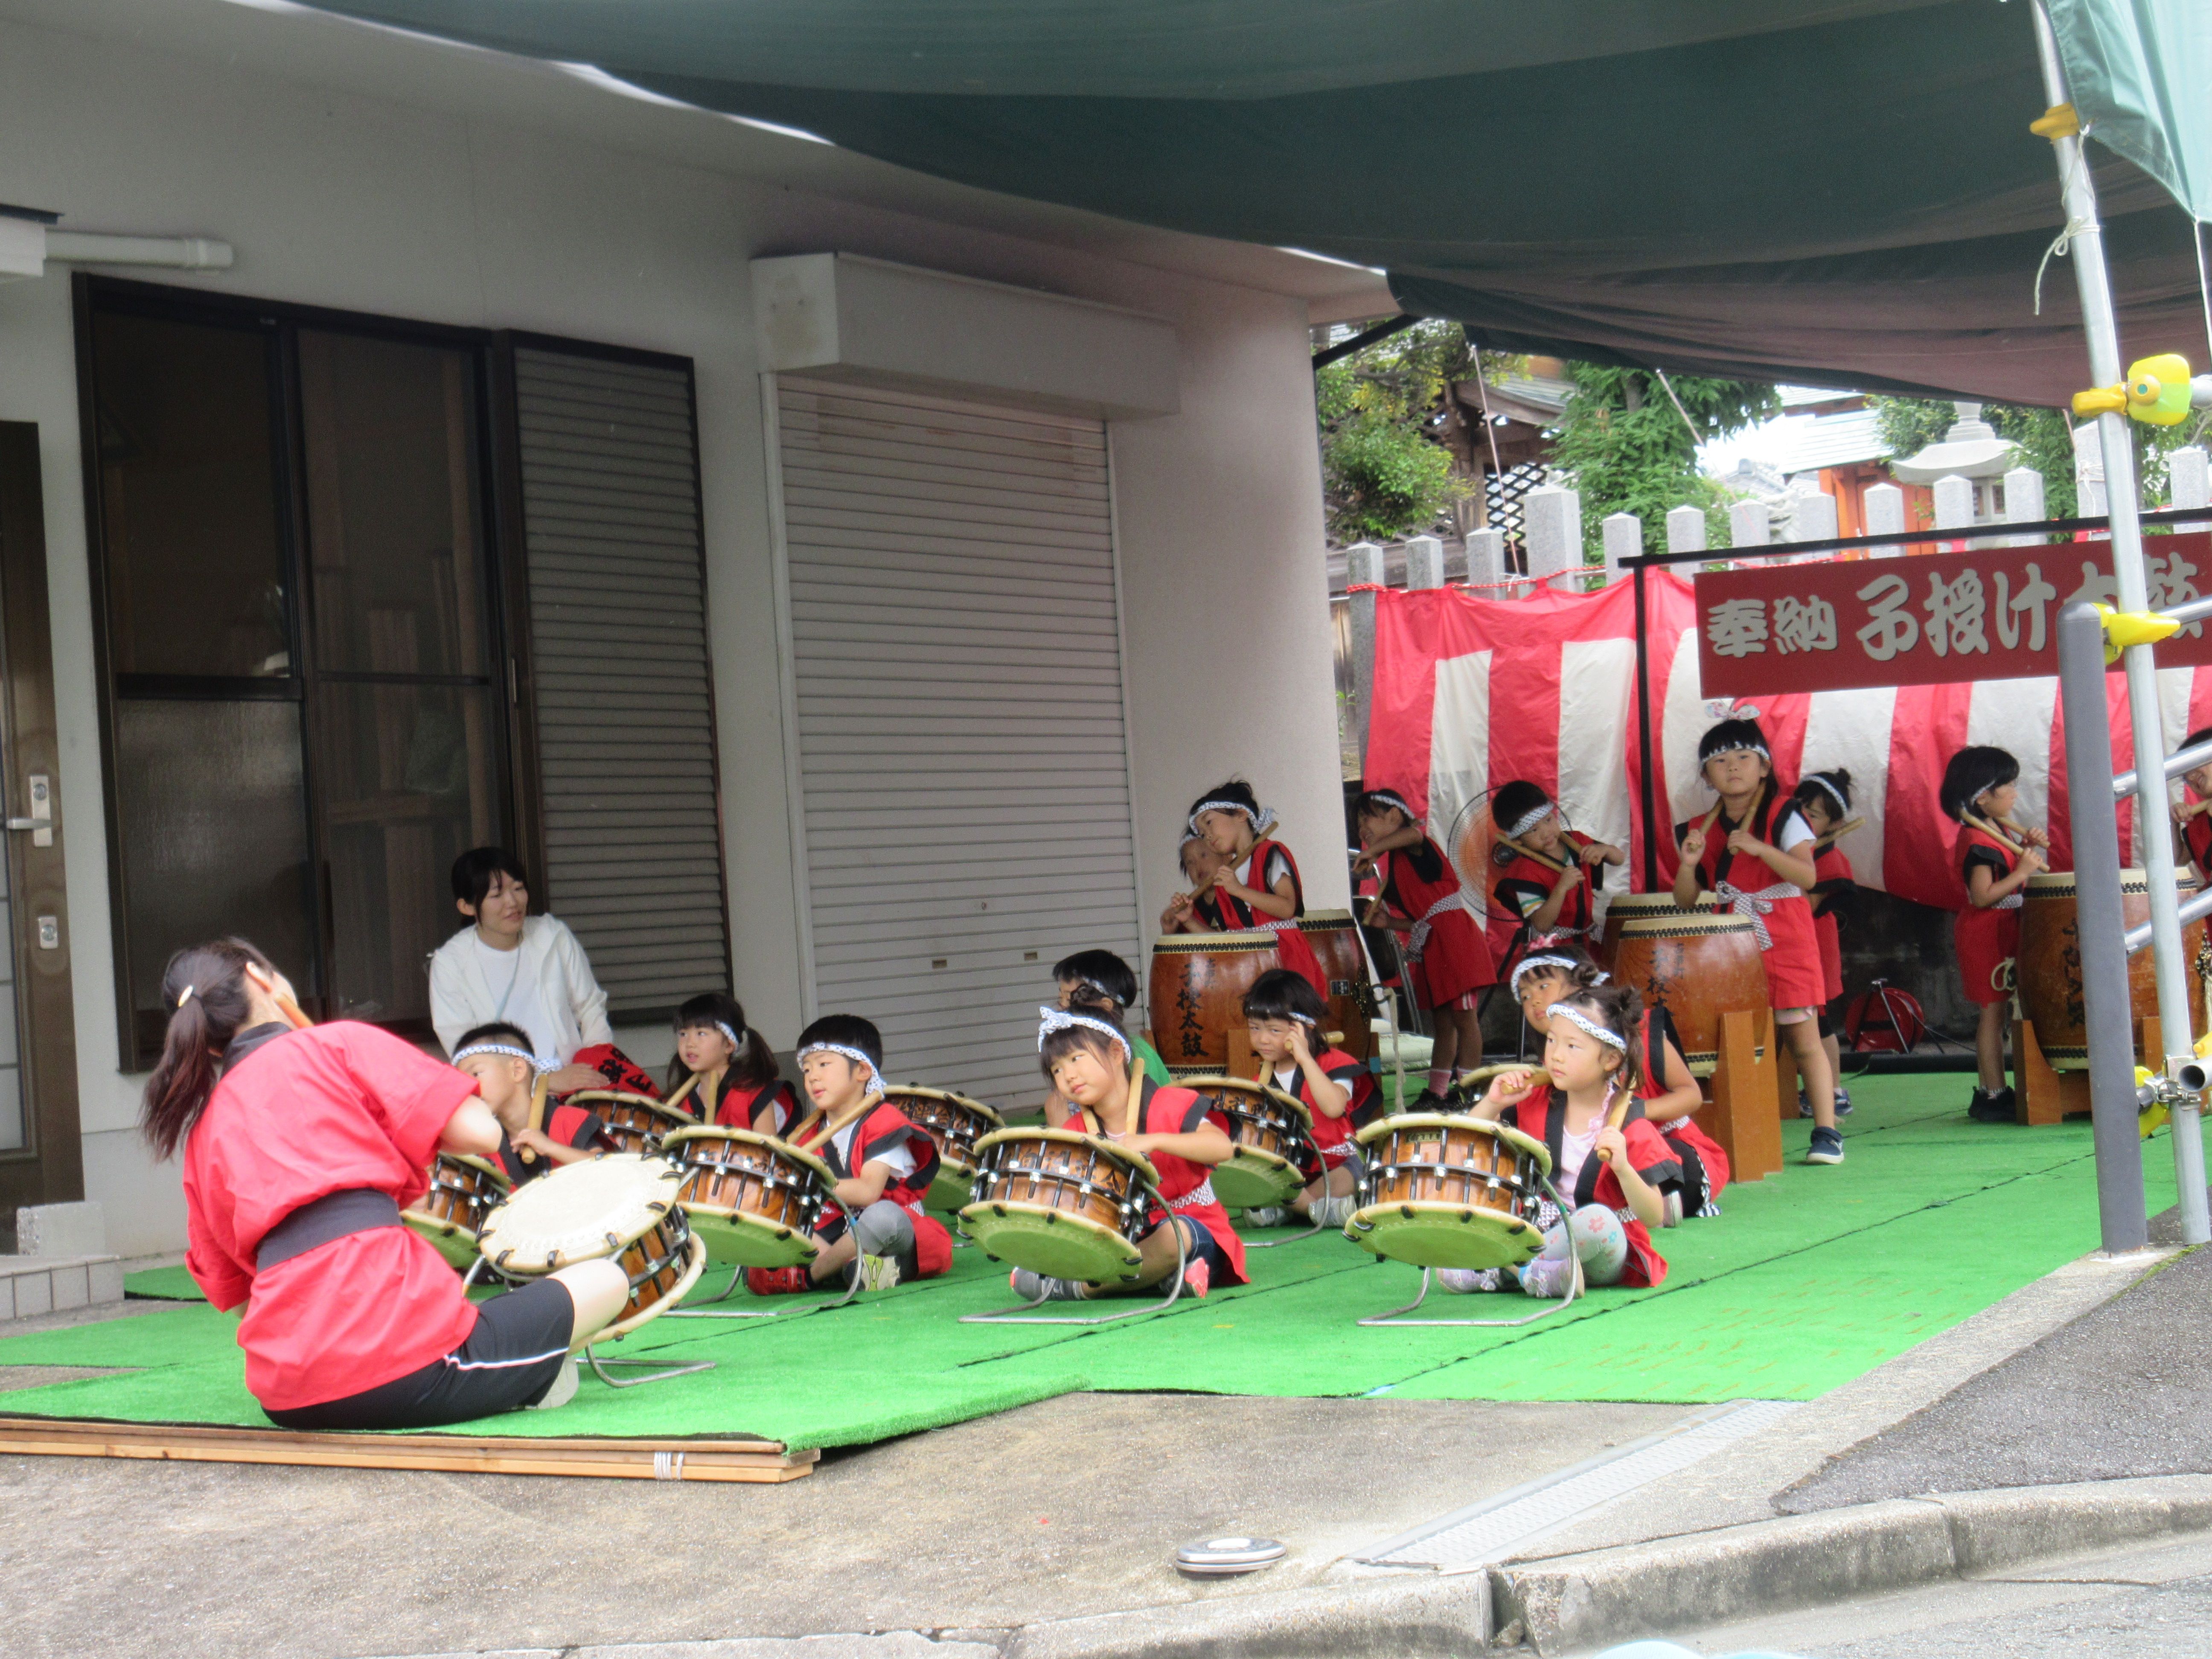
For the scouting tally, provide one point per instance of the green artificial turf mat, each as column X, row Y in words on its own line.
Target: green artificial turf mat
column 1809, row 1280
column 163, row 1284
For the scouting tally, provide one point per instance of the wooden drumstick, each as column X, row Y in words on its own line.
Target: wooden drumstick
column 1544, row 858
column 1823, row 843
column 537, row 1116
column 677, row 1099
column 1991, row 830
column 1618, row 1116
column 293, row 1013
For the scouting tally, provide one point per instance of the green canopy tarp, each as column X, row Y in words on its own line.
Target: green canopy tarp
column 1839, row 191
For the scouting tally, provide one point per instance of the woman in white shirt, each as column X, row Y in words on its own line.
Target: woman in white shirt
column 527, row 971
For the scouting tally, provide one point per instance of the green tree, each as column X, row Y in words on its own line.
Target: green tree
column 1628, row 447
column 1386, row 471
column 2046, row 438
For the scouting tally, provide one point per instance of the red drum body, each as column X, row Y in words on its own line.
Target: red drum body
column 2049, row 969
column 1698, row 966
column 1198, row 987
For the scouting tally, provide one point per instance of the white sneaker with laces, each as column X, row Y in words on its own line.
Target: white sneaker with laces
column 562, row 1390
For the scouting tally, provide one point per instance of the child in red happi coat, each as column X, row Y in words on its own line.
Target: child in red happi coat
column 1610, row 1176
column 724, row 1071
column 1282, row 1021
column 1754, row 852
column 1448, row 957
column 1257, row 884
column 503, row 1061
column 1980, row 787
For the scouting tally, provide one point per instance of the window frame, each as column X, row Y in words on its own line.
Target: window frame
column 504, row 585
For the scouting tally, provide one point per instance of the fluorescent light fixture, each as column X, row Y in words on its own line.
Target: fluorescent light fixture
column 1329, row 260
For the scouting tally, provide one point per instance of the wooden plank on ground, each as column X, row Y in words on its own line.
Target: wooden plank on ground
column 759, row 1460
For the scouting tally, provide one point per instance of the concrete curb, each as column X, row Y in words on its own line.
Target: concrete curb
column 1395, row 1619
column 1572, row 1602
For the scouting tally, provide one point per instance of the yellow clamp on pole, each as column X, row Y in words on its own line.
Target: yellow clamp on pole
column 2150, row 1119
column 2100, row 400
column 2126, row 627
column 2158, row 391
column 2058, row 122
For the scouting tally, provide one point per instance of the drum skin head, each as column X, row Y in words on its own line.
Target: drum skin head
column 1051, row 1242
column 1206, row 1083
column 1251, row 1178
column 449, row 1238
column 953, row 1190
column 567, row 1215
column 1428, row 1233
column 735, row 1239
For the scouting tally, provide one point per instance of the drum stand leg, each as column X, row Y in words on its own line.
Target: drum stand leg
column 1574, row 1290
column 1295, row 1238
column 1022, row 1315
column 708, row 1310
column 599, row 1368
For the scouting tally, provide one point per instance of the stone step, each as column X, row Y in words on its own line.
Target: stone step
column 34, row 1285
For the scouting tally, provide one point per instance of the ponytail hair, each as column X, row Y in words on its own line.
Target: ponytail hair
column 753, row 1062
column 204, row 989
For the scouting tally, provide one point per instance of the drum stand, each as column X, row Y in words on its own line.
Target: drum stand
column 708, row 1310
column 1574, row 1289
column 1022, row 1315
column 599, row 1368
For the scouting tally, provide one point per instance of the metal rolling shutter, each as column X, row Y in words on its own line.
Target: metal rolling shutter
column 957, row 650
column 624, row 698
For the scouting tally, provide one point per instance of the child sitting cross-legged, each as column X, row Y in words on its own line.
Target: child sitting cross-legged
column 1282, row 1021
column 882, row 1165
column 1609, row 1173
column 1669, row 1094
column 1087, row 1056
column 502, row 1060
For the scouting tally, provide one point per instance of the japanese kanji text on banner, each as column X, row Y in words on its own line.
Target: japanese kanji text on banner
column 1922, row 620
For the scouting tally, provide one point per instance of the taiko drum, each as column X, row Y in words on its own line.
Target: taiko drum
column 1198, row 987
column 1334, row 938
column 956, row 1123
column 464, row 1189
column 754, row 1199
column 1624, row 908
column 1442, row 1190
column 2049, row 969
column 1697, row 965
column 635, row 1123
column 1061, row 1202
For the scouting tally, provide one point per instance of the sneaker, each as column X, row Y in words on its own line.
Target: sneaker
column 1842, row 1102
column 778, row 1281
column 1673, row 1204
column 1335, row 1210
column 1197, row 1279
column 1468, row 1281
column 1266, row 1215
column 1991, row 1107
column 1708, row 1210
column 879, row 1272
column 1037, row 1287
column 1827, row 1147
column 1427, row 1101
column 561, row 1390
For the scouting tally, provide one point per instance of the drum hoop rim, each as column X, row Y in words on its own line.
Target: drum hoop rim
column 1136, row 1161
column 627, row 1098
column 1383, row 1211
column 751, row 1138
column 1259, row 939
column 1661, row 901
column 1662, row 925
column 1520, row 1140
column 533, row 1194
column 472, row 1161
column 2134, row 879
column 1269, row 1090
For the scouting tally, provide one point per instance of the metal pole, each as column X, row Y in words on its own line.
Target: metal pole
column 1651, row 827
column 2099, row 923
column 2101, row 327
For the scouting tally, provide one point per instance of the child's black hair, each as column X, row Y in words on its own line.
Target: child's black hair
column 846, row 1031
column 1620, row 1010
column 1580, row 969
column 1059, row 1044
column 1740, row 734
column 497, row 1030
column 754, row 1063
column 474, row 869
column 1236, row 791
column 1377, row 802
column 2201, row 734
column 1279, row 993
column 1514, row 801
column 1830, row 789
column 1972, row 774
column 1100, row 972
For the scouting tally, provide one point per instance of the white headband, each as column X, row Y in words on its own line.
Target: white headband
column 1263, row 819
column 875, row 1078
column 1758, row 749
column 1059, row 1019
column 1829, row 790
column 1392, row 798
column 507, row 1048
column 1528, row 821
column 1611, row 1039
column 1531, row 964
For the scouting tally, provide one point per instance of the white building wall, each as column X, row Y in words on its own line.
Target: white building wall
column 338, row 200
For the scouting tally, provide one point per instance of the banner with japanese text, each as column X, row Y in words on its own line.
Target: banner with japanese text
column 1933, row 619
